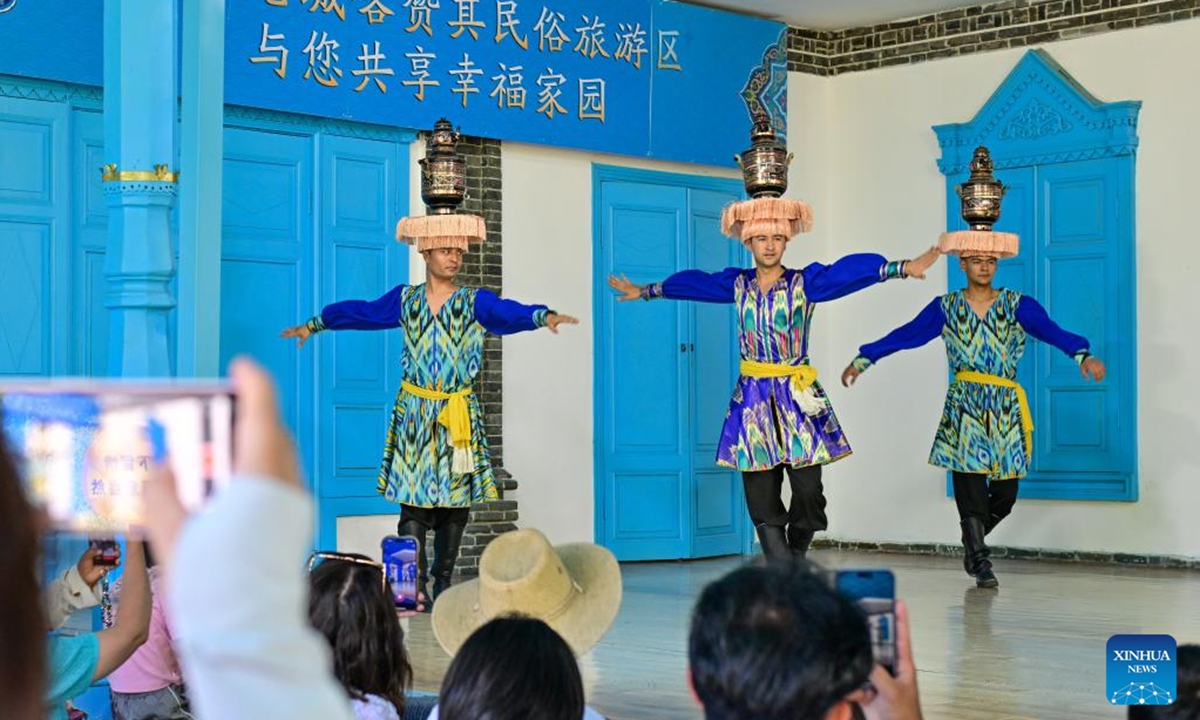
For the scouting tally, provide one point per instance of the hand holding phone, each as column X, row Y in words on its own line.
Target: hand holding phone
column 875, row 593
column 896, row 696
column 400, row 570
column 87, row 447
column 107, row 555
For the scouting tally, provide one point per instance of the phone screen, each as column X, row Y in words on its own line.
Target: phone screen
column 400, row 565
column 85, row 449
column 875, row 593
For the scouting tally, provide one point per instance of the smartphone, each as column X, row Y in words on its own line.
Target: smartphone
column 110, row 552
column 86, row 447
column 400, row 568
column 875, row 593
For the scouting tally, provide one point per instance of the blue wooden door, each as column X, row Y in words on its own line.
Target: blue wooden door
column 35, row 240
column 266, row 264
column 664, row 372
column 362, row 185
column 643, row 456
column 1078, row 280
column 719, row 516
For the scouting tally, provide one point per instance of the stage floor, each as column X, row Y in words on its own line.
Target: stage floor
column 1033, row 649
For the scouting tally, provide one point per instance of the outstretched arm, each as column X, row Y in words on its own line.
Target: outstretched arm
column 1036, row 321
column 924, row 327
column 694, row 285
column 852, row 273
column 505, row 317
column 382, row 313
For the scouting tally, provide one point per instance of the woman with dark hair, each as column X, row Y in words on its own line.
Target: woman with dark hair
column 513, row 668
column 350, row 605
column 22, row 624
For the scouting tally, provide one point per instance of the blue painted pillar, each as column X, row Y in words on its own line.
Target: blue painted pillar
column 201, row 160
column 139, row 184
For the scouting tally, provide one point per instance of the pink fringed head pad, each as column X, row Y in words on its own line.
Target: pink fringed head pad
column 966, row 243
column 432, row 232
column 766, row 216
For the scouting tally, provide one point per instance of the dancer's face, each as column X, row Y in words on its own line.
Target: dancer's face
column 767, row 249
column 444, row 263
column 980, row 269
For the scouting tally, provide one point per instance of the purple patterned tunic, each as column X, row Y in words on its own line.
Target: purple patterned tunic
column 765, row 425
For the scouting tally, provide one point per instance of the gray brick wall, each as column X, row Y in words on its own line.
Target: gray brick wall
column 981, row 28
column 483, row 269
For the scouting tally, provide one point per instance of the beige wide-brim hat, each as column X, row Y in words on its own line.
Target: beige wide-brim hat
column 573, row 588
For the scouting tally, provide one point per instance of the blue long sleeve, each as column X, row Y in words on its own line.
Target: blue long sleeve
column 380, row 314
column 848, row 275
column 505, row 317
column 699, row 286
column 926, row 326
column 1036, row 321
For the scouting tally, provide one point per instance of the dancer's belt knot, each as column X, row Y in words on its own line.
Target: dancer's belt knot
column 456, row 417
column 803, row 377
column 1022, row 399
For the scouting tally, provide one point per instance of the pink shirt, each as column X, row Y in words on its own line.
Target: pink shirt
column 153, row 666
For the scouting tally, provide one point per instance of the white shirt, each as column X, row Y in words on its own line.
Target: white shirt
column 238, row 600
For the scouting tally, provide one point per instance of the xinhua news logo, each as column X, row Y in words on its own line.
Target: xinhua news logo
column 1141, row 670
column 6, row 5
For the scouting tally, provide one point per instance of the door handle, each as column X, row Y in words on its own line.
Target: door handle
column 682, row 347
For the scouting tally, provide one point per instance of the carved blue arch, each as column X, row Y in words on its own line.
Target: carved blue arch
column 1040, row 115
column 1072, row 157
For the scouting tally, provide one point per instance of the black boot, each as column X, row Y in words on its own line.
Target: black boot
column 774, row 542
column 417, row 530
column 978, row 561
column 799, row 539
column 446, row 541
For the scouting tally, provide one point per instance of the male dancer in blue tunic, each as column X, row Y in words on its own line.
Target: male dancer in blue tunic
column 985, row 435
column 779, row 418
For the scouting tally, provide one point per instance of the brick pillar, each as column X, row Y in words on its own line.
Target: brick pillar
column 483, row 269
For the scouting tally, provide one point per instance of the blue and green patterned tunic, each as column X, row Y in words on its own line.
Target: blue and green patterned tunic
column 765, row 425
column 442, row 352
column 980, row 431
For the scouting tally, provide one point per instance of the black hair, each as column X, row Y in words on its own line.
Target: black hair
column 513, row 668
column 776, row 642
column 350, row 606
column 1187, row 690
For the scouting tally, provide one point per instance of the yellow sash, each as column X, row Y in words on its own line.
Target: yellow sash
column 802, row 375
column 454, row 416
column 1022, row 400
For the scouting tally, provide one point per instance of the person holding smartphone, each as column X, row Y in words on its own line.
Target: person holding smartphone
column 436, row 461
column 78, row 588
column 778, row 642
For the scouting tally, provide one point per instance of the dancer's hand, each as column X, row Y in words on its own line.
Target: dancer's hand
column 916, row 267
column 626, row 289
column 553, row 320
column 301, row 332
column 896, row 697
column 1093, row 368
column 849, row 375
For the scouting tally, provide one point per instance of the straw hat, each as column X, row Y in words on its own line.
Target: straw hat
column 574, row 588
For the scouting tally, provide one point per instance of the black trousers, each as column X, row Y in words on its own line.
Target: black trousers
column 447, row 525
column 990, row 502
column 763, row 500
